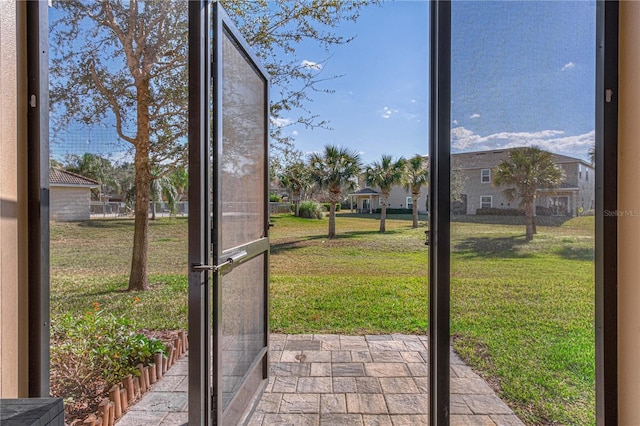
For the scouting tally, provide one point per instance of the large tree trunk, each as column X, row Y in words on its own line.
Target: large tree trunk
column 528, row 212
column 414, row 198
column 138, row 275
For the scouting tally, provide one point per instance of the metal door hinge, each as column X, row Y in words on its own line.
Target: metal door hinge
column 608, row 95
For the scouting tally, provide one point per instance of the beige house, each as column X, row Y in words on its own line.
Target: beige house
column 474, row 171
column 367, row 200
column 70, row 197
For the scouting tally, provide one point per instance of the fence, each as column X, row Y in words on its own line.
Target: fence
column 121, row 209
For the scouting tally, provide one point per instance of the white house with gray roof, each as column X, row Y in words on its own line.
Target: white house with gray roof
column 70, row 195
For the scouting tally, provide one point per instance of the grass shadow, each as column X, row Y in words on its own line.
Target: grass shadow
column 505, row 247
column 576, row 253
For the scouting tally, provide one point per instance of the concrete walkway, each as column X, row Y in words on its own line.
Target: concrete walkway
column 340, row 380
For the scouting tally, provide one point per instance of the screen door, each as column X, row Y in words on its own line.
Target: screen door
column 233, row 353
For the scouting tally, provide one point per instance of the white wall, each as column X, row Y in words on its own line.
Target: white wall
column 70, row 203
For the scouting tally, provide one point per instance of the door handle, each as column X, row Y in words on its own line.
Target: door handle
column 230, row 260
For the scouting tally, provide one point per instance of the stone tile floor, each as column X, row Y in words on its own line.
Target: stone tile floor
column 326, row 379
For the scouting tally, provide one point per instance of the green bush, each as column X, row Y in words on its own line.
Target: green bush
column 394, row 211
column 97, row 346
column 311, row 210
column 327, row 206
column 275, row 198
column 498, row 211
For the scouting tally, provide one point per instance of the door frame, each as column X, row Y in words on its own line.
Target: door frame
column 200, row 392
column 606, row 198
column 207, row 19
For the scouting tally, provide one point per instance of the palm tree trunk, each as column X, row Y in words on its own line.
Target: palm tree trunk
column 383, row 216
column 528, row 211
column 332, row 219
column 414, row 199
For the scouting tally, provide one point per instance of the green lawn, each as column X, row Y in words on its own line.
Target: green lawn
column 522, row 313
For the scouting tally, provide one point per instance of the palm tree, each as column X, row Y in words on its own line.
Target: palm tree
column 527, row 170
column 384, row 174
column 335, row 169
column 592, row 155
column 297, row 179
column 163, row 186
column 416, row 175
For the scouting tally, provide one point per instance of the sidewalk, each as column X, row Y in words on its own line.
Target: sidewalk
column 340, row 380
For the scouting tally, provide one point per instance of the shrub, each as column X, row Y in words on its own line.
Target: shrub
column 311, row 210
column 275, row 198
column 394, row 211
column 96, row 347
column 497, row 211
column 327, row 206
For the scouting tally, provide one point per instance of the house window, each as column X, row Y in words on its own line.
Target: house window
column 485, row 201
column 410, row 202
column 485, row 175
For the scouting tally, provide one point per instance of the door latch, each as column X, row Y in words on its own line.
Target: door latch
column 230, row 261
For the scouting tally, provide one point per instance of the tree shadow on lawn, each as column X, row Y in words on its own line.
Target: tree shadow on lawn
column 301, row 242
column 510, row 220
column 492, row 247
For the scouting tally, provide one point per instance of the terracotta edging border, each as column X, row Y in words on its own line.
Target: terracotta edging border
column 124, row 394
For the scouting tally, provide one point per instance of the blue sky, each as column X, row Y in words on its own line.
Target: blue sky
column 523, row 73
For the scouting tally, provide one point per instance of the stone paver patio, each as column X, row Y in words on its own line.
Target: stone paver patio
column 327, row 379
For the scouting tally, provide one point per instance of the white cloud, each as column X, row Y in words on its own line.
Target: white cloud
column 455, row 122
column 476, row 115
column 294, row 133
column 311, row 65
column 387, row 112
column 280, row 122
column 568, row 66
column 463, row 139
column 413, row 101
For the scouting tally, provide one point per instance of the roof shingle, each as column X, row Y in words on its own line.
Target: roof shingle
column 63, row 177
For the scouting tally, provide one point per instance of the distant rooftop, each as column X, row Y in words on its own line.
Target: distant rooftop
column 63, row 177
column 366, row 191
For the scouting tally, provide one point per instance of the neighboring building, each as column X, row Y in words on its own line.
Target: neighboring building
column 474, row 171
column 367, row 199
column 70, row 196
